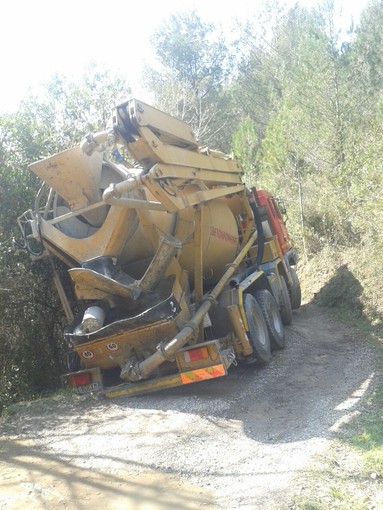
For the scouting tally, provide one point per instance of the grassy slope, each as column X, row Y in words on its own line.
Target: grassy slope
column 349, row 475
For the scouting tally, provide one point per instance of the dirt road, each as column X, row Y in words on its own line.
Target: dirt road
column 237, row 442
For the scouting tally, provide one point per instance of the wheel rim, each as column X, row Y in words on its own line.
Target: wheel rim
column 274, row 315
column 262, row 335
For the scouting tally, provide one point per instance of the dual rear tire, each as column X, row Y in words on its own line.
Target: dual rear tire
column 265, row 325
column 272, row 317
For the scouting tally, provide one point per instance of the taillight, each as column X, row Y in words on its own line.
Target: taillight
column 81, row 379
column 196, row 354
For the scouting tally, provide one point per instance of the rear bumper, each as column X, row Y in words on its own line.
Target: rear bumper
column 213, row 363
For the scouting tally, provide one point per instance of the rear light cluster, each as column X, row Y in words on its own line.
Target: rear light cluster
column 196, row 354
column 80, row 379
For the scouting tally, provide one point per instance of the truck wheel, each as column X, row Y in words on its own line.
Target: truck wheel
column 272, row 317
column 295, row 290
column 258, row 334
column 285, row 303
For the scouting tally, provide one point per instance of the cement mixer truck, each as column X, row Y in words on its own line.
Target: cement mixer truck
column 177, row 271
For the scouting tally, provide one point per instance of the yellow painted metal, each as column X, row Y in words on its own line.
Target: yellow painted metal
column 89, row 284
column 248, row 215
column 60, row 291
column 133, row 235
column 172, row 130
column 249, row 281
column 240, row 329
column 241, row 307
column 219, row 236
column 198, row 263
column 141, row 388
column 73, row 214
column 270, row 251
column 115, row 350
column 216, row 177
column 151, row 150
column 174, row 201
column 162, row 383
column 119, row 226
column 75, row 176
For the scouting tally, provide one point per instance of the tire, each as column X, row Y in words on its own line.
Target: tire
column 272, row 317
column 258, row 334
column 285, row 308
column 295, row 290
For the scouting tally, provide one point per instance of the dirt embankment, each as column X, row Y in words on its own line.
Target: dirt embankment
column 236, row 442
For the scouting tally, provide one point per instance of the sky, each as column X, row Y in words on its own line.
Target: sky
column 41, row 37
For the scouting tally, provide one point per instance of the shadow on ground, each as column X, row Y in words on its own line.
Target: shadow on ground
column 34, row 479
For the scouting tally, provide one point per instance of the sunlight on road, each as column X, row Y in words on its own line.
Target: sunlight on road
column 352, row 401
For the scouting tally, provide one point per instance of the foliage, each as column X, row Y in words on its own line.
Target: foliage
column 194, row 64
column 318, row 124
column 245, row 146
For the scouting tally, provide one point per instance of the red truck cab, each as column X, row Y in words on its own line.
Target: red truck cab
column 277, row 223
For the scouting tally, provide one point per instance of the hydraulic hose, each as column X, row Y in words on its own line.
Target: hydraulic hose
column 261, row 237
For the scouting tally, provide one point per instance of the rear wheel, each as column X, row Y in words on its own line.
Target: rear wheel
column 295, row 290
column 272, row 317
column 258, row 334
column 285, row 303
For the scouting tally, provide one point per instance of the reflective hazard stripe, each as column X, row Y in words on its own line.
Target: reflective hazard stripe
column 201, row 374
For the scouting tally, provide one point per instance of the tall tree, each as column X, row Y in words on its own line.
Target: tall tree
column 305, row 142
column 194, row 64
column 364, row 60
column 245, row 146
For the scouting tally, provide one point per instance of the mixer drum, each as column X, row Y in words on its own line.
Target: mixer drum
column 220, row 242
column 220, row 236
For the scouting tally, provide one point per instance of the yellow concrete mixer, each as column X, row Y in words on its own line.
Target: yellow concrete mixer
column 175, row 267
